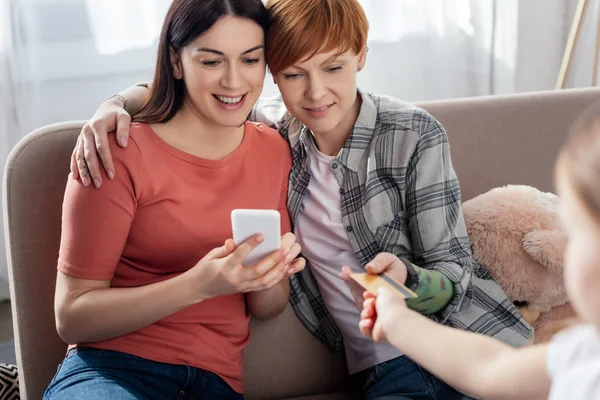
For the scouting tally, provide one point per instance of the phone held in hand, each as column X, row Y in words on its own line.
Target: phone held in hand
column 246, row 223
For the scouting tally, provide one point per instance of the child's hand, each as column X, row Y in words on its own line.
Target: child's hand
column 381, row 314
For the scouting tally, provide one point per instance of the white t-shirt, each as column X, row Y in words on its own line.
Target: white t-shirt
column 573, row 363
column 322, row 235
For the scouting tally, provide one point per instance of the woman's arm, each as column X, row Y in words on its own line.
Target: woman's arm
column 436, row 221
column 135, row 97
column 269, row 303
column 91, row 311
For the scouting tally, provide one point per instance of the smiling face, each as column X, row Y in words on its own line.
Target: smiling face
column 223, row 71
column 315, row 49
column 321, row 91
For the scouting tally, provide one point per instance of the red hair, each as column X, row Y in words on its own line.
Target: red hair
column 302, row 28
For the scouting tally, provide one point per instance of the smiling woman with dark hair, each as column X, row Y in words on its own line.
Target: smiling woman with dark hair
column 151, row 294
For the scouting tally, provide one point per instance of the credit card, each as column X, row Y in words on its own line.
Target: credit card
column 373, row 282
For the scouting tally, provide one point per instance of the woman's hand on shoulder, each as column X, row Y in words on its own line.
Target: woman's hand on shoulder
column 92, row 144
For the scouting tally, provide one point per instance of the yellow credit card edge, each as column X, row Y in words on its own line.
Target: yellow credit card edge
column 373, row 282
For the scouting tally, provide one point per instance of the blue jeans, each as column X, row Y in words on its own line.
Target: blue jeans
column 401, row 378
column 94, row 374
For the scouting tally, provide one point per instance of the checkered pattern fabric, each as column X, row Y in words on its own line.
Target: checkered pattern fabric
column 399, row 194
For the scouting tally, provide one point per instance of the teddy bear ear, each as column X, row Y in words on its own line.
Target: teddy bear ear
column 546, row 247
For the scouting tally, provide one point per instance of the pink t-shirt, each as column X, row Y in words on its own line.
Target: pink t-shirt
column 161, row 214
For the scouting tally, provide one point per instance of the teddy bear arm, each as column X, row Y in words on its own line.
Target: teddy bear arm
column 546, row 247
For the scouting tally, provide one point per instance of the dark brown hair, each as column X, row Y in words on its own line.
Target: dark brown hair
column 580, row 155
column 185, row 21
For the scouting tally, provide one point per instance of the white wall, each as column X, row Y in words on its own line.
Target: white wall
column 580, row 74
column 70, row 99
column 543, row 28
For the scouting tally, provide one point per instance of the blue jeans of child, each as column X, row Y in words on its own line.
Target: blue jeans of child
column 94, row 374
column 401, row 378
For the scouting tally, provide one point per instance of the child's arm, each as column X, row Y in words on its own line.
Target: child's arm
column 475, row 364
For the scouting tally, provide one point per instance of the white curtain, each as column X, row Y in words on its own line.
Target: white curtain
column 583, row 55
column 59, row 59
column 434, row 49
column 8, row 118
column 112, row 25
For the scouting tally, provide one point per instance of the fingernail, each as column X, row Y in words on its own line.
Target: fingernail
column 111, row 175
column 124, row 141
column 86, row 181
column 97, row 183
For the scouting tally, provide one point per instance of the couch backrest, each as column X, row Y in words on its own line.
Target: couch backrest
column 34, row 185
column 494, row 140
column 513, row 139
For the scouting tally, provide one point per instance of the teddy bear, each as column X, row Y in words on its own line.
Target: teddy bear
column 516, row 236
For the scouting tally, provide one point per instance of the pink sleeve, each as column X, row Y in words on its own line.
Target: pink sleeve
column 286, row 225
column 96, row 222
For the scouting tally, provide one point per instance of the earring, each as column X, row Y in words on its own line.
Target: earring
column 359, row 68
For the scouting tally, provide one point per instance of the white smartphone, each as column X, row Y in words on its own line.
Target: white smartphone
column 245, row 223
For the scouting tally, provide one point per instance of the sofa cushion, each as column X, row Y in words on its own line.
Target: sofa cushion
column 284, row 360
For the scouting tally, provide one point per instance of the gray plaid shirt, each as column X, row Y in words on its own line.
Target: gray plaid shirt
column 399, row 194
